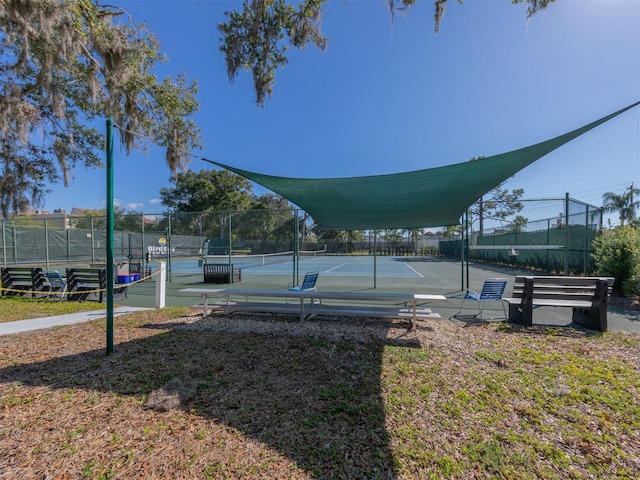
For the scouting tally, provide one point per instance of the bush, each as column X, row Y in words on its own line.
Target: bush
column 617, row 254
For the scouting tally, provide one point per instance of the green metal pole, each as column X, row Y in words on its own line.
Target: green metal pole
column 15, row 246
column 586, row 240
column 466, row 250
column 375, row 258
column 296, row 247
column 110, row 255
column 462, row 253
column 566, row 234
column 169, row 248
column 4, row 245
column 93, row 243
column 46, row 243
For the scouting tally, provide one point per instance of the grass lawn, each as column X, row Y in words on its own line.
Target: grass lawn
column 265, row 396
column 16, row 308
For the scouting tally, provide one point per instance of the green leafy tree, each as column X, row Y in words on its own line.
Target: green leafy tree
column 452, row 232
column 413, row 234
column 393, row 238
column 348, row 237
column 198, row 201
column 122, row 221
column 270, row 219
column 65, row 64
column 624, row 205
column 616, row 253
column 517, row 224
column 255, row 38
column 499, row 204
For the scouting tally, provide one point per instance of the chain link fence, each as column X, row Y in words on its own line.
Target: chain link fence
column 547, row 235
column 552, row 235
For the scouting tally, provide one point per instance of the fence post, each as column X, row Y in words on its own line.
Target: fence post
column 161, row 286
column 168, row 246
column 566, row 234
column 46, row 243
column 68, row 244
column 4, row 245
column 375, row 259
column 296, row 228
column 466, row 246
column 586, row 239
column 15, row 246
column 93, row 253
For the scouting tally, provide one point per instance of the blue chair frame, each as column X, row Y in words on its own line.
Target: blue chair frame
column 57, row 283
column 492, row 291
column 309, row 283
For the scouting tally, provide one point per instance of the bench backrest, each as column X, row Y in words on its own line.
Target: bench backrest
column 24, row 275
column 216, row 268
column 75, row 276
column 566, row 288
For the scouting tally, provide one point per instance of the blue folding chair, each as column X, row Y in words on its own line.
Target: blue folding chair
column 492, row 291
column 309, row 283
column 57, row 283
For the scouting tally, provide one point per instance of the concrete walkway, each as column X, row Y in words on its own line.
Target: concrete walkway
column 48, row 322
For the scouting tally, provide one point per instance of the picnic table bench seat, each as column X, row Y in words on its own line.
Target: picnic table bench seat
column 221, row 273
column 587, row 296
column 91, row 284
column 308, row 303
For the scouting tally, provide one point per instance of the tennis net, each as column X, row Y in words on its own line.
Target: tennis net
column 259, row 260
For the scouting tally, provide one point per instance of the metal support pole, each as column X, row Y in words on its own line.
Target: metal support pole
column 566, row 234
column 296, row 228
column 462, row 253
column 46, row 243
column 169, row 248
column 4, row 245
column 142, row 247
column 15, row 246
column 466, row 252
column 93, row 245
column 586, row 240
column 68, row 244
column 375, row 259
column 230, row 247
column 110, row 255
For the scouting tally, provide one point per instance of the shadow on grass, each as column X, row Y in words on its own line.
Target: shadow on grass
column 318, row 401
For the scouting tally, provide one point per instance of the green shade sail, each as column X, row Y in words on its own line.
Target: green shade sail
column 425, row 198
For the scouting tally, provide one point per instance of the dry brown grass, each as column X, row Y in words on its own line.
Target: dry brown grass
column 267, row 397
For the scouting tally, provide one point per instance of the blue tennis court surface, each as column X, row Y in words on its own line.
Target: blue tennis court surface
column 340, row 266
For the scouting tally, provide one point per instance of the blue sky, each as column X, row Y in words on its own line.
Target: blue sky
column 392, row 97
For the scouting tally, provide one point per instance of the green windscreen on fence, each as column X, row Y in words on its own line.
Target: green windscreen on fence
column 425, row 198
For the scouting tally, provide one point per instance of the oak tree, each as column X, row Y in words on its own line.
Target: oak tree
column 66, row 66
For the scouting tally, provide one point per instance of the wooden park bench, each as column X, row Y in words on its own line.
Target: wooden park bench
column 91, row 284
column 587, row 296
column 23, row 281
column 221, row 273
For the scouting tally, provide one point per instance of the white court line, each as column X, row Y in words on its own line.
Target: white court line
column 331, row 269
column 421, row 276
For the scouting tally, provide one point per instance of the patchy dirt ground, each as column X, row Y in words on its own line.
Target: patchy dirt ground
column 265, row 396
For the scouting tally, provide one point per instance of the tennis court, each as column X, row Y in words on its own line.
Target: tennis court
column 416, row 274
column 340, row 265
